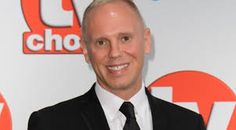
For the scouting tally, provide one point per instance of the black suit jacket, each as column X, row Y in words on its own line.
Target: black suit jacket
column 86, row 113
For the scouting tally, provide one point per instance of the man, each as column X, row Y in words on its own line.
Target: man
column 115, row 41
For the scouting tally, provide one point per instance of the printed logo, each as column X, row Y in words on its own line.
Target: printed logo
column 54, row 27
column 5, row 116
column 202, row 93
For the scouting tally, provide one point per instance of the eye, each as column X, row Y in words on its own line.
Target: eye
column 125, row 39
column 101, row 43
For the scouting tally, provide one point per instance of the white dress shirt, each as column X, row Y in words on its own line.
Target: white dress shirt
column 111, row 105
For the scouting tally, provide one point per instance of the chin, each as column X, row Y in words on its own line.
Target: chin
column 120, row 86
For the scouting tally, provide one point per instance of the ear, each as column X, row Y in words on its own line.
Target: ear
column 147, row 41
column 85, row 50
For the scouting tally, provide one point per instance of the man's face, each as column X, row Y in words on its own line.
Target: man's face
column 117, row 43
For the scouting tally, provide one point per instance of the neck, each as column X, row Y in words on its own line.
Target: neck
column 127, row 92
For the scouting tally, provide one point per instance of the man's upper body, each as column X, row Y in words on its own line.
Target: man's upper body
column 86, row 113
column 115, row 41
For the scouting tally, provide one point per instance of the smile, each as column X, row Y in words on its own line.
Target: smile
column 118, row 67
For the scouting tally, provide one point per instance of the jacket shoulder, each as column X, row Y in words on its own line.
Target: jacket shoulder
column 61, row 115
column 176, row 117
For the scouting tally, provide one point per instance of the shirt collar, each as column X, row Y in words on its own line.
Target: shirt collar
column 111, row 103
column 140, row 100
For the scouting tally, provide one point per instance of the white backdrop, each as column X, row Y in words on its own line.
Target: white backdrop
column 187, row 35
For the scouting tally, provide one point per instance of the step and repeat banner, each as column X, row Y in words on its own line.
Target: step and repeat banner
column 192, row 64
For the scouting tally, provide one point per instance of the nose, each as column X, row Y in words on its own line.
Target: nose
column 115, row 50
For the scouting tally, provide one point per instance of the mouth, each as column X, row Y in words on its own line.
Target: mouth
column 115, row 68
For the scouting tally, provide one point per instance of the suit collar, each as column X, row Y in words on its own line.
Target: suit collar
column 93, row 113
column 95, row 118
column 159, row 116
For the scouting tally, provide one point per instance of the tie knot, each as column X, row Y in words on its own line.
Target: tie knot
column 127, row 108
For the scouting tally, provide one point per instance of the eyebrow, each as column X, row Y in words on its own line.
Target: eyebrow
column 126, row 33
column 119, row 35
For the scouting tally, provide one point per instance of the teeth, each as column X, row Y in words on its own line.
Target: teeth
column 117, row 68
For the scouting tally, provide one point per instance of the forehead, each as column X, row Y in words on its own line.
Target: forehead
column 111, row 16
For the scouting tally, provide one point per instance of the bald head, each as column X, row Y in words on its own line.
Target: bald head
column 96, row 4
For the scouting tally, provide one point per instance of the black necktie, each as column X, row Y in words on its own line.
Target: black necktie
column 127, row 109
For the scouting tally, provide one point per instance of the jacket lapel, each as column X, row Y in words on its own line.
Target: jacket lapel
column 93, row 113
column 159, row 116
column 95, row 118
